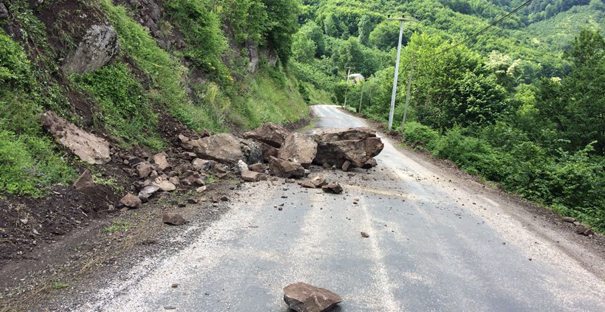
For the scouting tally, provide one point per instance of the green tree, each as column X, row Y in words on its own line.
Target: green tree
column 282, row 23
column 303, row 48
column 365, row 28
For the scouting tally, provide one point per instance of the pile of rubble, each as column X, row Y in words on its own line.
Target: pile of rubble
column 267, row 150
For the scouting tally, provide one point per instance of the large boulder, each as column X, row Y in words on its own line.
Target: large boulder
column 285, row 168
column 299, row 148
column 97, row 48
column 268, row 133
column 335, row 146
column 89, row 147
column 303, row 297
column 224, row 148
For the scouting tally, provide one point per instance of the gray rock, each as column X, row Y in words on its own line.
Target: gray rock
column 144, row 169
column 333, row 188
column 160, row 161
column 173, row 219
column 148, row 191
column 251, row 176
column 335, row 146
column 285, row 168
column 298, row 148
column 97, row 48
column 303, row 297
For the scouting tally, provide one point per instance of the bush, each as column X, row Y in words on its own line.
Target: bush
column 415, row 133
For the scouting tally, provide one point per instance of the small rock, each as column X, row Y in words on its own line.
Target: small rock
column 173, row 219
column 224, row 198
column 174, row 180
column 333, row 188
column 583, row 230
column 242, row 166
column 182, row 205
column 302, row 297
column 346, row 165
column 163, row 184
column 253, row 176
column 131, row 201
column 148, row 191
column 161, row 161
column 260, row 168
column 193, row 200
column 202, row 164
column 365, row 235
column 201, row 189
column 144, row 169
column 175, row 285
column 569, row 219
column 307, row 184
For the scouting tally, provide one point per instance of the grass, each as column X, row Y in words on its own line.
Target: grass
column 58, row 285
column 117, row 225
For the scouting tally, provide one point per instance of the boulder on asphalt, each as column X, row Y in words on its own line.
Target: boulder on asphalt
column 163, row 184
column 98, row 46
column 269, row 133
column 299, row 148
column 84, row 181
column 147, row 192
column 307, row 184
column 316, row 182
column 131, row 201
column 173, row 219
column 252, row 176
column 346, row 165
column 285, row 168
column 302, row 297
column 335, row 146
column 371, row 163
column 87, row 146
column 224, row 148
column 333, row 188
column 161, row 161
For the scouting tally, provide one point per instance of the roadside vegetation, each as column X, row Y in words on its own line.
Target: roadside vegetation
column 519, row 105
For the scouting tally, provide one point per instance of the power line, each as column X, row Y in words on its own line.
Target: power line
column 480, row 32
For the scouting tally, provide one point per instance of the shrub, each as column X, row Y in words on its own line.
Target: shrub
column 415, row 132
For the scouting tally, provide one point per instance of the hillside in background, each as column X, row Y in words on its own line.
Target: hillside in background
column 518, row 103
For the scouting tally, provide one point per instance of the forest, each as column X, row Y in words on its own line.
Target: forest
column 519, row 104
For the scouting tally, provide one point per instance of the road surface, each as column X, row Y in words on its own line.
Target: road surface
column 433, row 245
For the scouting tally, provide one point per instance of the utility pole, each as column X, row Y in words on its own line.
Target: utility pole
column 360, row 99
column 347, row 91
column 401, row 20
column 407, row 96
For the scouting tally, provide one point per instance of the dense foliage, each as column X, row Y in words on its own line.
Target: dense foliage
column 520, row 104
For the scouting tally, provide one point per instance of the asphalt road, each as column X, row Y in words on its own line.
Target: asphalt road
column 434, row 245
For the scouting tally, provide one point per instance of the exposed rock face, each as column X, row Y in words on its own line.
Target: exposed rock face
column 335, row 146
column 97, row 48
column 131, row 201
column 285, row 168
column 84, row 181
column 268, row 133
column 224, row 148
column 299, row 148
column 303, row 297
column 173, row 219
column 87, row 146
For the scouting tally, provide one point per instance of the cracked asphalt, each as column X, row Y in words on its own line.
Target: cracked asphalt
column 433, row 245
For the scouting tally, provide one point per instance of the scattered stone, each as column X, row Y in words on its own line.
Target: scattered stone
column 98, row 46
column 365, row 235
column 202, row 164
column 333, row 188
column 175, row 285
column 242, row 166
column 148, row 191
column 289, row 180
column 131, row 201
column 175, row 180
column 307, row 184
column 224, row 198
column 569, row 219
column 84, row 181
column 371, row 163
column 260, row 168
column 87, row 146
column 298, row 148
column 201, row 189
column 302, row 297
column 182, row 205
column 173, row 219
column 583, row 230
column 269, row 133
column 193, row 200
column 160, row 161
column 285, row 168
column 319, row 181
column 144, row 169
column 346, row 165
column 252, row 176
column 163, row 184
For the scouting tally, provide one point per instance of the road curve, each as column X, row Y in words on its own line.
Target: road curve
column 433, row 246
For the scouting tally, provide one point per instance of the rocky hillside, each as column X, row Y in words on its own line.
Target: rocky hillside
column 133, row 74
